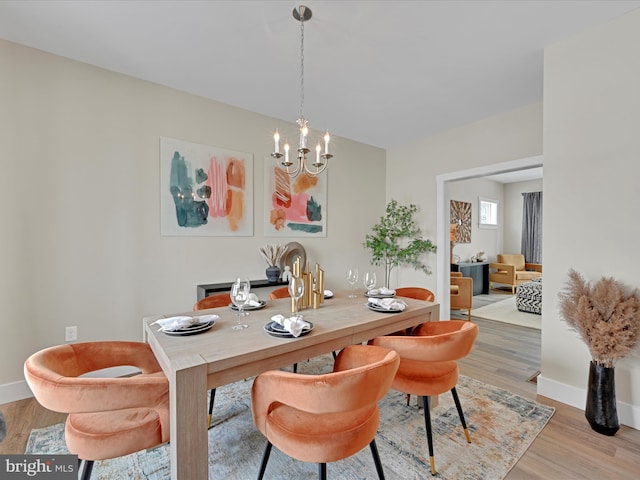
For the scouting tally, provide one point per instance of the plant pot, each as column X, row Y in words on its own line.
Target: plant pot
column 601, row 411
column 273, row 274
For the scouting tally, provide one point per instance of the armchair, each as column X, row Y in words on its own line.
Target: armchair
column 461, row 296
column 511, row 269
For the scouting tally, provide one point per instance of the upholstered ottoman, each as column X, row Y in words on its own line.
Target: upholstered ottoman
column 529, row 296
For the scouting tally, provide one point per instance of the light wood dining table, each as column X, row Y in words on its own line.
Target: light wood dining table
column 194, row 364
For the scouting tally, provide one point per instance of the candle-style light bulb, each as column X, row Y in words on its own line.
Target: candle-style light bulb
column 318, row 148
column 326, row 142
column 286, row 151
column 276, row 141
column 304, row 131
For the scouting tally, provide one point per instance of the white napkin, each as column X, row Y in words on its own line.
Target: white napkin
column 381, row 291
column 173, row 324
column 253, row 300
column 388, row 303
column 293, row 325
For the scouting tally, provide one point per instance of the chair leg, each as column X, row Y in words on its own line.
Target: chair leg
column 295, row 368
column 459, row 408
column 408, row 399
column 212, row 398
column 376, row 459
column 85, row 471
column 322, row 471
column 265, row 459
column 427, row 425
column 469, row 314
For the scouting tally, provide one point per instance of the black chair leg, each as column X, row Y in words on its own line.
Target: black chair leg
column 212, row 399
column 322, row 471
column 427, row 425
column 87, row 467
column 376, row 459
column 459, row 408
column 295, row 368
column 265, row 459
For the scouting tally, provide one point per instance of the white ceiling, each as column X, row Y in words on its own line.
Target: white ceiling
column 381, row 72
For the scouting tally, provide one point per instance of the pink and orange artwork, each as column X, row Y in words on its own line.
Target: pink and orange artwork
column 205, row 190
column 294, row 206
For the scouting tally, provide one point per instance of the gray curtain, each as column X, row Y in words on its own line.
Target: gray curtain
column 532, row 227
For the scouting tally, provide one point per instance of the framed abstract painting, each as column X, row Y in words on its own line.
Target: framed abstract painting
column 205, row 190
column 294, row 207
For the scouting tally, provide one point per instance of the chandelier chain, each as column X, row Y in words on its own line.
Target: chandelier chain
column 301, row 68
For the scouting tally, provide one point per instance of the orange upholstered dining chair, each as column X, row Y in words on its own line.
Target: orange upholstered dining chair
column 418, row 293
column 212, row 301
column 428, row 364
column 108, row 417
column 282, row 292
column 325, row 418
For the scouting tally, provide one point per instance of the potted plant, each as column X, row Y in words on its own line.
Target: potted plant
column 397, row 240
column 272, row 255
column 607, row 317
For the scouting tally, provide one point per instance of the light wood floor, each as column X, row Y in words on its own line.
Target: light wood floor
column 505, row 356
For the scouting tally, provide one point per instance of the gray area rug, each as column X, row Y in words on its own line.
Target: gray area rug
column 502, row 427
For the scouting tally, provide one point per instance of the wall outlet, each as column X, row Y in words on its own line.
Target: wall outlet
column 70, row 334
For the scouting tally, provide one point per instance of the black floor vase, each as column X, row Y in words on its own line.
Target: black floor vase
column 601, row 409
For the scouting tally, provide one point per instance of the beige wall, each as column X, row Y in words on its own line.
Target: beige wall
column 412, row 169
column 80, row 213
column 591, row 194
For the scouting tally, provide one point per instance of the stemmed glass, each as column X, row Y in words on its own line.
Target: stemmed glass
column 296, row 290
column 369, row 280
column 239, row 296
column 352, row 278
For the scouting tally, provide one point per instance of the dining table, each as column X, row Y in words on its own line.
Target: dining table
column 221, row 355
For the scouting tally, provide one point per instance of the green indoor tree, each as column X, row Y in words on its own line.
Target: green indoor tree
column 397, row 240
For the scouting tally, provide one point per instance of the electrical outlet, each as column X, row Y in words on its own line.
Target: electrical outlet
column 70, row 334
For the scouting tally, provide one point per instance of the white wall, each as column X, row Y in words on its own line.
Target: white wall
column 79, row 206
column 591, row 194
column 513, row 213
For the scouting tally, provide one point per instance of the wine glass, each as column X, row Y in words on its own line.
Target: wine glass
column 296, row 290
column 352, row 278
column 239, row 296
column 369, row 280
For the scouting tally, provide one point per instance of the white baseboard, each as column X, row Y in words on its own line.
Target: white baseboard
column 576, row 397
column 12, row 392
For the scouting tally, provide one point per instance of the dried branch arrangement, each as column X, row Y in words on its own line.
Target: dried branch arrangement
column 605, row 315
column 273, row 253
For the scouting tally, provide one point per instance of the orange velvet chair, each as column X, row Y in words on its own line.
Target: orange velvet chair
column 213, row 301
column 428, row 364
column 282, row 292
column 325, row 418
column 108, row 417
column 418, row 293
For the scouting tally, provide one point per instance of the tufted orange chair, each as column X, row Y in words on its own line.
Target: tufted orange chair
column 212, row 301
column 108, row 417
column 282, row 292
column 325, row 418
column 416, row 292
column 428, row 364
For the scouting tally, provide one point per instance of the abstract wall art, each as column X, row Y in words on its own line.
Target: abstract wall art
column 461, row 217
column 294, row 207
column 204, row 190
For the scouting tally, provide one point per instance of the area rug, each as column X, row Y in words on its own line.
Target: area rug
column 507, row 312
column 502, row 427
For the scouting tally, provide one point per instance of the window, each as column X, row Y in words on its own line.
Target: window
column 488, row 213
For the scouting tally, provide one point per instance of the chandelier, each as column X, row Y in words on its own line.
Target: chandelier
column 293, row 168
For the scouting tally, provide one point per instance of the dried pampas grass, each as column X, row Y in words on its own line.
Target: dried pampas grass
column 273, row 253
column 605, row 316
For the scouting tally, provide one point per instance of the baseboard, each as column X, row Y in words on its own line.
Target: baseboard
column 12, row 392
column 576, row 397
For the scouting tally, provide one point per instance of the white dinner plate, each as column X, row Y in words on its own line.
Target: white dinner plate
column 379, row 295
column 191, row 330
column 378, row 308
